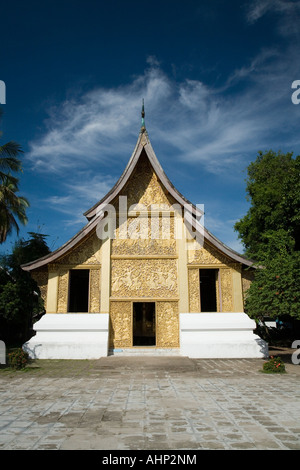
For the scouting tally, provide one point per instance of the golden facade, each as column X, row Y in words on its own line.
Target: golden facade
column 145, row 275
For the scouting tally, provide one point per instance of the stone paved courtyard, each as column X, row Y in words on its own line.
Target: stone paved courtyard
column 149, row 403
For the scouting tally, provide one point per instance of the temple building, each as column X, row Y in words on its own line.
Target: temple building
column 143, row 276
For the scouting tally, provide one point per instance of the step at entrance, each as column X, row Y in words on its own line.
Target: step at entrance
column 144, row 352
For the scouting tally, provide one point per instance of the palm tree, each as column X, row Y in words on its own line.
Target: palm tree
column 11, row 207
column 9, row 160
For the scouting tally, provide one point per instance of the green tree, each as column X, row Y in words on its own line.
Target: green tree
column 270, row 233
column 12, row 206
column 274, row 291
column 273, row 190
column 20, row 300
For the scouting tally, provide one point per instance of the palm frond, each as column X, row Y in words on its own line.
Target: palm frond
column 9, row 154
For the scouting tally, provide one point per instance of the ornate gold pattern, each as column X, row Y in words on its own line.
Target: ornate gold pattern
column 156, row 278
column 145, row 228
column 226, row 289
column 144, row 186
column 41, row 278
column 194, row 290
column 167, row 325
column 94, row 291
column 62, row 298
column 207, row 255
column 120, row 331
column 87, row 252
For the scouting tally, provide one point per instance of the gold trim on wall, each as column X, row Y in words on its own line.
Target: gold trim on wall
column 194, row 290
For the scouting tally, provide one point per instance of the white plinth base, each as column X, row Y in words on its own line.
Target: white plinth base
column 69, row 336
column 220, row 335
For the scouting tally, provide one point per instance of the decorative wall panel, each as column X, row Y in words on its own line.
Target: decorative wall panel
column 194, row 290
column 144, row 186
column 207, row 255
column 142, row 278
column 226, row 289
column 146, row 236
column 94, row 291
column 87, row 252
column 167, row 325
column 120, row 330
column 41, row 278
column 62, row 297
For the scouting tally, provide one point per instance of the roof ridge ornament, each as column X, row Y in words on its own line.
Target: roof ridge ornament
column 143, row 126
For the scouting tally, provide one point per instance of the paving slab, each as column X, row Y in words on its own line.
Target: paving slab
column 149, row 403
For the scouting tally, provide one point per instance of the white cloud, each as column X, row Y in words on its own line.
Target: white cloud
column 190, row 119
column 90, row 137
column 96, row 125
column 78, row 195
column 289, row 11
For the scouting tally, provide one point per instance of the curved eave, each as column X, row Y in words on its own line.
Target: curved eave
column 193, row 224
column 63, row 250
column 142, row 143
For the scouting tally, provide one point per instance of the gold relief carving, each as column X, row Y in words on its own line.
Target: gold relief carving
column 120, row 331
column 94, row 291
column 146, row 236
column 207, row 255
column 226, row 289
column 194, row 290
column 87, row 252
column 41, row 278
column 144, row 278
column 167, row 325
column 62, row 298
column 144, row 187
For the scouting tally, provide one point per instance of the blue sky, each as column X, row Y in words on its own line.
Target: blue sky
column 216, row 77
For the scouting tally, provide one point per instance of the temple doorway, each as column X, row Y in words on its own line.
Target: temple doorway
column 208, row 293
column 144, row 324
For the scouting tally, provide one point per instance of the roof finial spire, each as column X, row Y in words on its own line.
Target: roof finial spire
column 143, row 127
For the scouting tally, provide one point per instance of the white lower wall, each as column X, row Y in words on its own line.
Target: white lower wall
column 220, row 335
column 69, row 336
column 202, row 335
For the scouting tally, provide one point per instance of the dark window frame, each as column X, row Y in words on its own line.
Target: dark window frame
column 74, row 291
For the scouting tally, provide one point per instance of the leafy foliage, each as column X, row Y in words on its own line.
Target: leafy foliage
column 18, row 359
column 274, row 366
column 273, row 190
column 270, row 233
column 20, row 299
column 12, row 207
column 274, row 291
